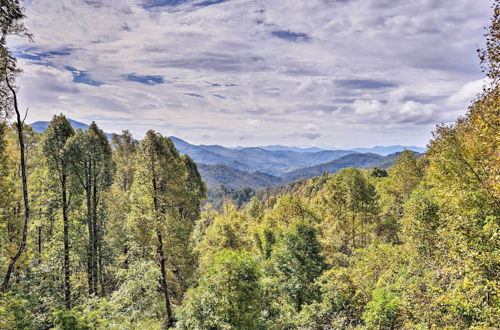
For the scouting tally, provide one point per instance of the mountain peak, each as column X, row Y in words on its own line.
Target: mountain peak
column 41, row 126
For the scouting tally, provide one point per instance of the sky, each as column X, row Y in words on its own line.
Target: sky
column 327, row 73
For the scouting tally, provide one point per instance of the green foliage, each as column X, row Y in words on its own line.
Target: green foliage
column 228, row 295
column 56, row 136
column 381, row 311
column 69, row 320
column 219, row 195
column 228, row 230
column 348, row 205
column 14, row 313
column 421, row 221
column 340, row 305
column 378, row 173
column 295, row 265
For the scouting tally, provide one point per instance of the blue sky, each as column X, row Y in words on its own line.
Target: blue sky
column 336, row 73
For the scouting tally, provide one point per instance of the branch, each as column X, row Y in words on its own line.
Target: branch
column 25, row 114
column 69, row 200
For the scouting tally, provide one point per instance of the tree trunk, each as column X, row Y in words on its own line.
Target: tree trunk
column 90, row 232
column 22, row 246
column 39, row 243
column 125, row 252
column 95, row 228
column 101, row 270
column 163, row 281
column 67, row 287
column 161, row 254
column 353, row 220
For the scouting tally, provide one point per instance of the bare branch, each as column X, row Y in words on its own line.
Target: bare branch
column 26, row 114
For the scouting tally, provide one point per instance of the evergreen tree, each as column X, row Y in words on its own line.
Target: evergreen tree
column 159, row 181
column 296, row 264
column 91, row 162
column 57, row 135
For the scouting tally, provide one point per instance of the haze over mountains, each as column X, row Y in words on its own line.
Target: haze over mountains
column 380, row 150
column 273, row 165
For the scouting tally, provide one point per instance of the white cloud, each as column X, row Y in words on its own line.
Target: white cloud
column 371, row 108
column 359, row 66
column 253, row 122
column 311, row 127
column 467, row 93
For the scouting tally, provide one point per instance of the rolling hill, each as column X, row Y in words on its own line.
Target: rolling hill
column 387, row 150
column 216, row 175
column 367, row 160
column 358, row 160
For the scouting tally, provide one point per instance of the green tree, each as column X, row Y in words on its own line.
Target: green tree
column 118, row 202
column 404, row 176
column 57, row 135
column 91, row 162
column 381, row 311
column 296, row 263
column 228, row 295
column 158, row 185
column 348, row 204
column 11, row 19
column 421, row 222
column 227, row 230
column 340, row 305
column 124, row 151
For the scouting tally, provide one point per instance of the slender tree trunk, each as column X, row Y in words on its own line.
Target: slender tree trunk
column 161, row 254
column 95, row 235
column 125, row 252
column 90, row 232
column 101, row 270
column 100, row 263
column 163, row 281
column 39, row 242
column 22, row 246
column 353, row 220
column 299, row 302
column 67, row 284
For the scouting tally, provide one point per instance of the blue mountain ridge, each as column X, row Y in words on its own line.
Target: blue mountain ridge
column 267, row 165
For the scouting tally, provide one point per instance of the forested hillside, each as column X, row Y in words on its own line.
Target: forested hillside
column 358, row 160
column 216, row 175
column 274, row 162
column 100, row 234
column 222, row 175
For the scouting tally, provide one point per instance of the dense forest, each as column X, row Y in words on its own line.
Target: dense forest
column 118, row 234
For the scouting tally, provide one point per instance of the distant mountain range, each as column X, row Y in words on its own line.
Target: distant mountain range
column 358, row 160
column 255, row 159
column 272, row 165
column 381, row 150
column 40, row 126
column 216, row 175
column 277, row 147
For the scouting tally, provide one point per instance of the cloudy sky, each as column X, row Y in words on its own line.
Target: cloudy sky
column 336, row 73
